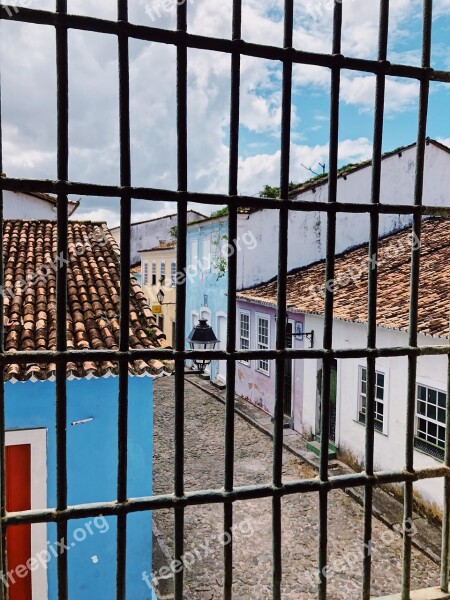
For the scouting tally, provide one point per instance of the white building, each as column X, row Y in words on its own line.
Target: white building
column 148, row 234
column 26, row 205
column 307, row 230
column 305, row 294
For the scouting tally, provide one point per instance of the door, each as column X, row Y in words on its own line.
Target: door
column 222, row 335
column 18, row 497
column 173, row 334
column 288, row 369
column 333, row 395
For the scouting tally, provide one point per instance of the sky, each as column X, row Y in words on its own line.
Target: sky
column 28, row 96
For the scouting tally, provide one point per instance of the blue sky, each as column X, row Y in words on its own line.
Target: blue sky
column 29, row 91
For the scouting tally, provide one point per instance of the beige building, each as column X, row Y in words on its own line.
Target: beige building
column 158, row 273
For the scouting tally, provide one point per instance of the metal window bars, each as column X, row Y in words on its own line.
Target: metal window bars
column 180, row 499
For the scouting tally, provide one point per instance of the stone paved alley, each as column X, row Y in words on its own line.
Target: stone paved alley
column 204, row 462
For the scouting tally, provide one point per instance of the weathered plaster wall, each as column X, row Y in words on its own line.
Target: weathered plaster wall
column 350, row 434
column 92, row 475
column 205, row 283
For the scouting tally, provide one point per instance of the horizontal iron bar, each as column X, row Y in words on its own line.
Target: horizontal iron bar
column 165, row 195
column 180, row 38
column 303, row 486
column 48, row 356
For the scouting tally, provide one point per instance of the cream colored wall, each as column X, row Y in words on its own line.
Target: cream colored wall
column 150, row 291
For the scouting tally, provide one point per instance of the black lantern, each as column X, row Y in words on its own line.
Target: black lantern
column 160, row 296
column 202, row 337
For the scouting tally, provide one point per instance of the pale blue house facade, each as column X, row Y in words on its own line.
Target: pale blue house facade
column 207, row 282
column 92, row 412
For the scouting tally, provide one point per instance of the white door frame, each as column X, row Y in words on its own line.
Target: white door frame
column 292, row 322
column 222, row 345
column 205, row 313
column 37, row 439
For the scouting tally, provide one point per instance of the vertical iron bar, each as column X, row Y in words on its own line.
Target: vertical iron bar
column 61, row 284
column 413, row 309
column 181, row 293
column 3, row 561
column 446, row 513
column 372, row 295
column 124, row 342
column 281, row 299
column 231, row 300
column 329, row 299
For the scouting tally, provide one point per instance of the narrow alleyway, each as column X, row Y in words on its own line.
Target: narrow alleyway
column 204, row 468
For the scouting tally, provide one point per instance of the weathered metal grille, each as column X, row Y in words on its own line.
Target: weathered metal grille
column 179, row 500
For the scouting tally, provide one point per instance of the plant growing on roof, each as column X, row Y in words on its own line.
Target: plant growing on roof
column 174, row 232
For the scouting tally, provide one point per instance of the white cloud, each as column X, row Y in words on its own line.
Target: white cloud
column 256, row 171
column 29, row 92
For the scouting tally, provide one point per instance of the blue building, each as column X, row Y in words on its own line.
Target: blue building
column 207, row 282
column 92, row 414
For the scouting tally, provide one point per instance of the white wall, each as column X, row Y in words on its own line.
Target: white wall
column 148, row 234
column 307, row 230
column 23, row 206
column 350, row 434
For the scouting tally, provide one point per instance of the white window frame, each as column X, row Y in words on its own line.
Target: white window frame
column 145, row 273
column 246, row 313
column 259, row 346
column 154, row 282
column 205, row 247
column 381, row 371
column 439, row 388
column 37, row 439
column 162, row 272
column 194, row 254
column 173, row 273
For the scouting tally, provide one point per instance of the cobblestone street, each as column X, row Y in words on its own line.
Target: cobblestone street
column 204, row 469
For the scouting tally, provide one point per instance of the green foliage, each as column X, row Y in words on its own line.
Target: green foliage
column 274, row 192
column 220, row 213
column 174, row 232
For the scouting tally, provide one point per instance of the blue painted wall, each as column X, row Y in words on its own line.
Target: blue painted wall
column 92, row 476
column 203, row 282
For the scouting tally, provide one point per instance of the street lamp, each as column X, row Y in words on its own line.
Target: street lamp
column 160, row 297
column 202, row 337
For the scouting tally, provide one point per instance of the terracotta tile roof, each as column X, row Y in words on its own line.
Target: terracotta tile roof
column 305, row 288
column 93, row 283
column 162, row 246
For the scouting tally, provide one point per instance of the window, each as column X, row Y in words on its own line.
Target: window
column 430, row 421
column 244, row 332
column 173, row 273
column 146, row 273
column 262, row 332
column 206, row 254
column 162, row 272
column 153, row 273
column 194, row 253
column 380, row 385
